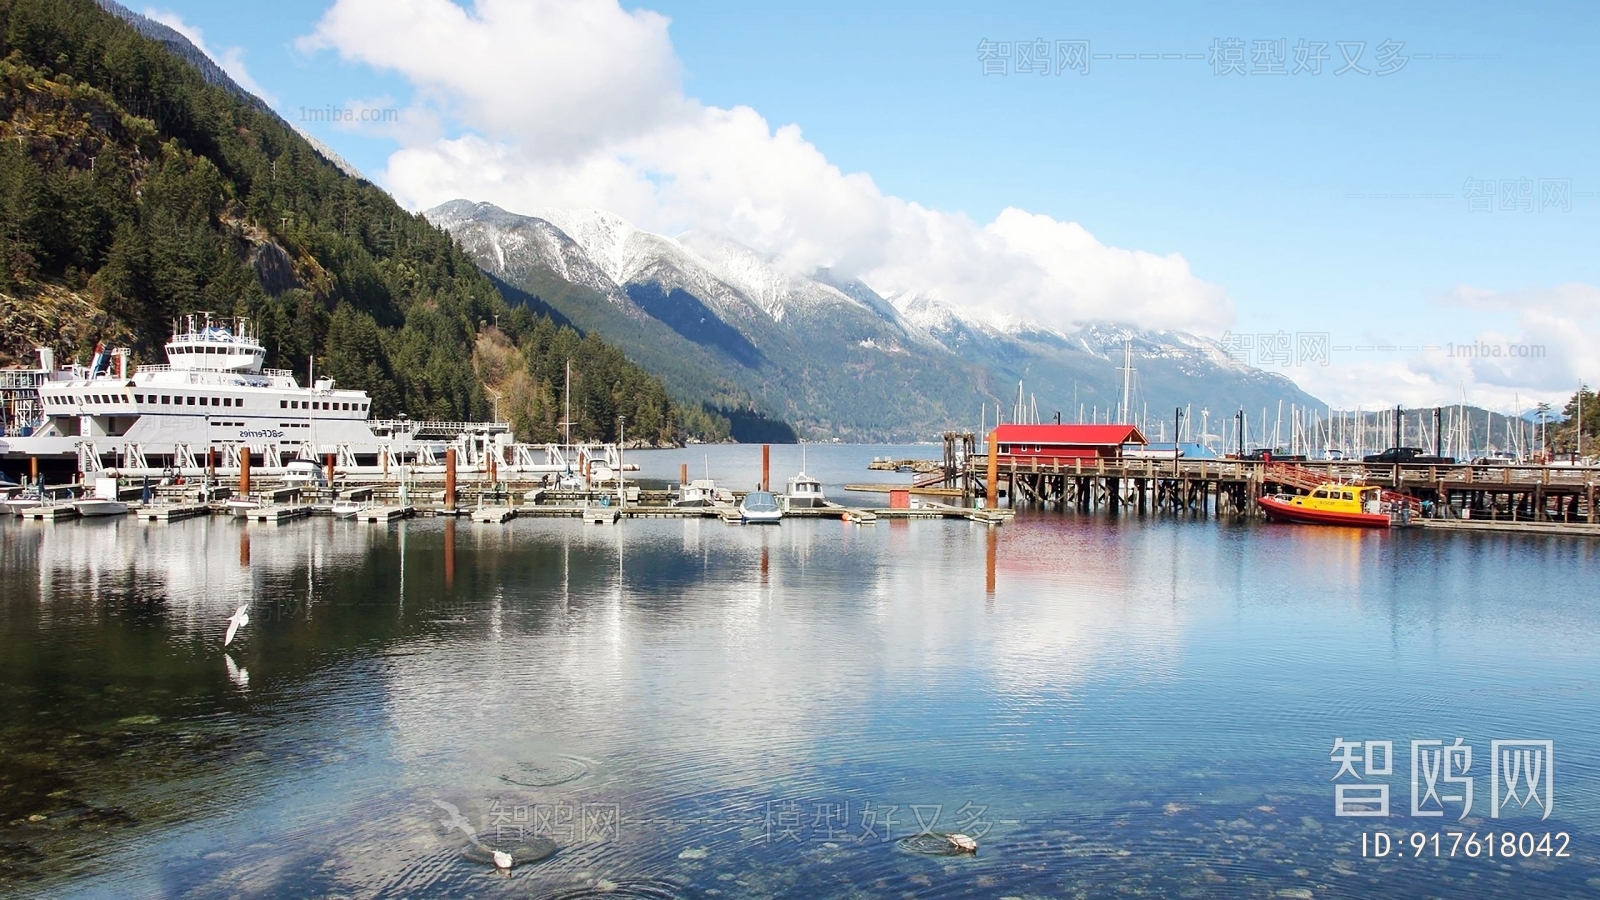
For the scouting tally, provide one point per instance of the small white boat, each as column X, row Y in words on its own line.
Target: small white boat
column 104, row 502
column 243, row 506
column 805, row 492
column 346, row 509
column 302, row 471
column 760, row 507
column 17, row 504
column 97, row 506
column 702, row 492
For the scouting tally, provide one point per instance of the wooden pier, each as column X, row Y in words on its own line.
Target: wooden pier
column 1231, row 487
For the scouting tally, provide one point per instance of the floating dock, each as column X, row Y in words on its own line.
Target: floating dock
column 385, row 513
column 52, row 513
column 275, row 514
column 171, row 512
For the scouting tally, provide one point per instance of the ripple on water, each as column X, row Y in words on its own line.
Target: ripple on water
column 932, row 843
column 524, row 851
column 549, row 771
column 645, row 890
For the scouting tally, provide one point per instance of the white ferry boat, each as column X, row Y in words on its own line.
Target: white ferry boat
column 214, row 399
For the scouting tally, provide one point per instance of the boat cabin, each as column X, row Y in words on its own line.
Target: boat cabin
column 1345, row 498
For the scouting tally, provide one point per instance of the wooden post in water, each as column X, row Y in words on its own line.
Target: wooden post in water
column 450, row 491
column 766, row 467
column 211, row 463
column 33, row 469
column 450, row 542
column 991, row 540
column 327, row 463
column 683, row 473
column 989, row 500
column 383, row 457
column 244, row 471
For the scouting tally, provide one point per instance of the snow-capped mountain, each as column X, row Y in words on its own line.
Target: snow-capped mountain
column 717, row 319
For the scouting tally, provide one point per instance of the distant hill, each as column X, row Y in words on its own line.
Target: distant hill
column 715, row 319
column 139, row 183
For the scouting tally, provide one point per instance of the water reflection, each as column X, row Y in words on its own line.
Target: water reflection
column 1136, row 707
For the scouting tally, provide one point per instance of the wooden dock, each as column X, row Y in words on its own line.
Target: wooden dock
column 494, row 515
column 51, row 513
column 276, row 514
column 385, row 513
column 1482, row 526
column 171, row 512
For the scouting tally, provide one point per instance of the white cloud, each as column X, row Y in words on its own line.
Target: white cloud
column 230, row 59
column 580, row 104
column 1510, row 350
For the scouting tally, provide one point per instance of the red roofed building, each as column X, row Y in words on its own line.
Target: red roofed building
column 1063, row 443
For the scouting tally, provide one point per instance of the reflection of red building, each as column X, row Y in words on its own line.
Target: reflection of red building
column 1064, row 443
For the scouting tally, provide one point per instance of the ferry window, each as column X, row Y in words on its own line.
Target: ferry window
column 138, row 398
column 1320, row 495
column 189, row 401
column 283, row 404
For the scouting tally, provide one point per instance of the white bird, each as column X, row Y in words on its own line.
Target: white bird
column 502, row 860
column 239, row 619
column 240, row 677
column 962, row 844
column 456, row 820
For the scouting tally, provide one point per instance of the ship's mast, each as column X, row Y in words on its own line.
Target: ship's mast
column 1127, row 379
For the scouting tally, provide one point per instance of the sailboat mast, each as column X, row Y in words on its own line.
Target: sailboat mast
column 1127, row 380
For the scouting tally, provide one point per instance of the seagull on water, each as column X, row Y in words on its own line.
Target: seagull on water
column 502, row 860
column 239, row 619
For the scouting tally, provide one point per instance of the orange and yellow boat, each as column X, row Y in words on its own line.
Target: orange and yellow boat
column 1356, row 505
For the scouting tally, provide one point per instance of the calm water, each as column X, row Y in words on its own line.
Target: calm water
column 691, row 709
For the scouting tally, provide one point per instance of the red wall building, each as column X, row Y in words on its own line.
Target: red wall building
column 1064, row 443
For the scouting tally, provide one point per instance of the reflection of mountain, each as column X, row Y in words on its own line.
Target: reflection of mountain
column 715, row 319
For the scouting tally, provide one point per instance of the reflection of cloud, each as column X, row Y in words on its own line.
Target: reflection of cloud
column 710, row 678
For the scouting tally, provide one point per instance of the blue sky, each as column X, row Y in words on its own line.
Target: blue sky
column 1250, row 178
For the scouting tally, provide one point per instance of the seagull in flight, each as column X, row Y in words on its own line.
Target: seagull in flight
column 239, row 619
column 456, row 820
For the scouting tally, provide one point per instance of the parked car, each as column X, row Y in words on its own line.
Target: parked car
column 1413, row 456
